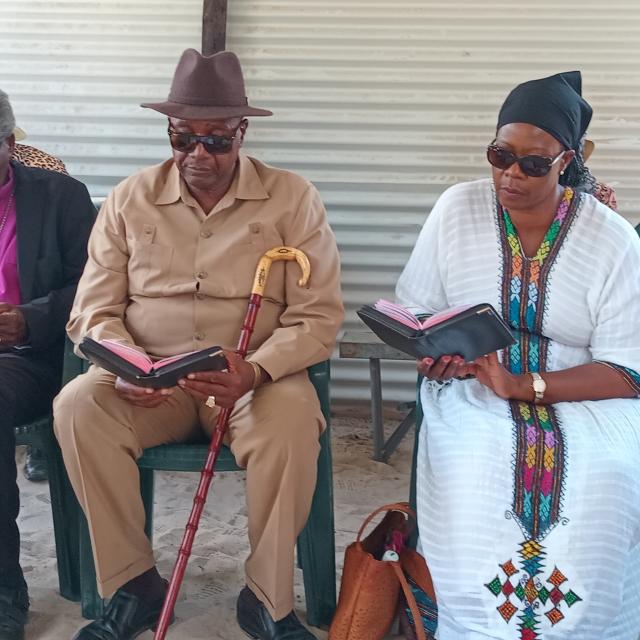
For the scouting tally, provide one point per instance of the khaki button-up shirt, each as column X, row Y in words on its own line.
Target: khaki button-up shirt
column 169, row 278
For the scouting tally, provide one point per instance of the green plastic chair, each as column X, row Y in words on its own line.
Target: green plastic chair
column 316, row 543
column 64, row 506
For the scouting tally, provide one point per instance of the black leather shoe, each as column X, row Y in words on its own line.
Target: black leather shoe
column 14, row 605
column 35, row 466
column 125, row 618
column 257, row 623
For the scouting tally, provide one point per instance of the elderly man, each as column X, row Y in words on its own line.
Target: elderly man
column 171, row 264
column 45, row 220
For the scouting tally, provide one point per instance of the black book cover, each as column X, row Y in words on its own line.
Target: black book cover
column 472, row 333
column 209, row 359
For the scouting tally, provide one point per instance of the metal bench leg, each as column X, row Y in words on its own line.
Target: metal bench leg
column 377, row 427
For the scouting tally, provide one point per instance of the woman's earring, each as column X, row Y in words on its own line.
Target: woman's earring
column 562, row 172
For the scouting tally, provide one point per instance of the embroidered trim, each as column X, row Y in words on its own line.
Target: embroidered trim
column 539, row 447
column 539, row 444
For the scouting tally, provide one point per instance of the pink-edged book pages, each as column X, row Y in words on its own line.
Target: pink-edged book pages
column 407, row 318
column 138, row 358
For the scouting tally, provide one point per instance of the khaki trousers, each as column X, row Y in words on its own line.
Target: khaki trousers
column 273, row 433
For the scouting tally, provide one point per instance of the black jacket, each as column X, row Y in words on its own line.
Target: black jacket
column 54, row 218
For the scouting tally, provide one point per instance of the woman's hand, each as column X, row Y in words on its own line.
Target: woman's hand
column 503, row 383
column 487, row 370
column 141, row 396
column 445, row 368
column 225, row 386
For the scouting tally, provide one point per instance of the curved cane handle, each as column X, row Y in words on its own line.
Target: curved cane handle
column 279, row 253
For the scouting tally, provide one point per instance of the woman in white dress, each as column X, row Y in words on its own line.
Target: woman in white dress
column 529, row 472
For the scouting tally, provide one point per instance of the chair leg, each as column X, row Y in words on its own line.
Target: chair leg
column 146, row 490
column 316, row 545
column 92, row 603
column 65, row 511
column 413, row 540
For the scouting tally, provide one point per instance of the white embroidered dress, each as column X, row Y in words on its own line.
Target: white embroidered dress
column 530, row 517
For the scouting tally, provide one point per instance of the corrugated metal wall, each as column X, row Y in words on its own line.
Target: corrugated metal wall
column 76, row 71
column 382, row 104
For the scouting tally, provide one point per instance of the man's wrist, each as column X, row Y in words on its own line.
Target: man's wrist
column 258, row 374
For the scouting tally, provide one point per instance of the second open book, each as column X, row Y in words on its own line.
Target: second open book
column 469, row 331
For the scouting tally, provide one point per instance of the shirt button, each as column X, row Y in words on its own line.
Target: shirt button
column 201, row 275
column 205, row 234
column 198, row 336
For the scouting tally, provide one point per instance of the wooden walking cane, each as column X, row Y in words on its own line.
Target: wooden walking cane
column 257, row 291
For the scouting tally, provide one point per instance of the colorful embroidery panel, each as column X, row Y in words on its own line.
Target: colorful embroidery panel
column 539, row 464
column 526, row 591
column 539, row 458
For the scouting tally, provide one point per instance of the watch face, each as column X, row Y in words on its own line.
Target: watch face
column 539, row 386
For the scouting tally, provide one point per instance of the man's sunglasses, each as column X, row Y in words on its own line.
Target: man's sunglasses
column 533, row 166
column 215, row 145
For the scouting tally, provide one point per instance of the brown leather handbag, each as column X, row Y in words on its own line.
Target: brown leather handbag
column 370, row 588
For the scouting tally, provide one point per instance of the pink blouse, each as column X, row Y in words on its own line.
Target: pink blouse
column 9, row 281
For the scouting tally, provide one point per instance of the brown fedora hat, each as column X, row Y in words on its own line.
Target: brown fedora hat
column 207, row 88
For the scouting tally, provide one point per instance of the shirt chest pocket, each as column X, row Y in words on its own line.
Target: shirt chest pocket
column 150, row 264
column 260, row 238
column 242, row 258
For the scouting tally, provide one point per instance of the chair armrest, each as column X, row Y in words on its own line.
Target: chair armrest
column 72, row 365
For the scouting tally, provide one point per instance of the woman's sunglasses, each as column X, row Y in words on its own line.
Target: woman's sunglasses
column 533, row 166
column 215, row 145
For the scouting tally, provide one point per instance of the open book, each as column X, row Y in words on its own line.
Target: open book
column 469, row 331
column 138, row 368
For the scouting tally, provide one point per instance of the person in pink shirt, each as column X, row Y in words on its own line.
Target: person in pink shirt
column 45, row 221
column 35, row 464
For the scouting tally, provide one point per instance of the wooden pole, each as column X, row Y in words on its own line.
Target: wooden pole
column 214, row 26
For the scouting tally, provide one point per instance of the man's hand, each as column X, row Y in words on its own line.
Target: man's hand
column 225, row 386
column 13, row 327
column 141, row 396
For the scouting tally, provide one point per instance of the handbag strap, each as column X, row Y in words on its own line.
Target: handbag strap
column 411, row 601
column 403, row 507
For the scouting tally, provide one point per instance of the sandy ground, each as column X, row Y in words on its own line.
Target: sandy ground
column 206, row 608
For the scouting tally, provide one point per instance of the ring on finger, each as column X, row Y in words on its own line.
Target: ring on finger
column 210, row 402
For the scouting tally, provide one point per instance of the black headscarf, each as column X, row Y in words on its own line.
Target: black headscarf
column 554, row 104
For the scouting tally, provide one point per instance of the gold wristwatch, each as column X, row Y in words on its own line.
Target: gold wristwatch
column 539, row 386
